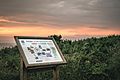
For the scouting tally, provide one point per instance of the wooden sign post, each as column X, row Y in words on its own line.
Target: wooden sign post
column 56, row 73
column 39, row 53
column 23, row 70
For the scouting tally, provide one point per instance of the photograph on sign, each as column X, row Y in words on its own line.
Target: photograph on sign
column 40, row 51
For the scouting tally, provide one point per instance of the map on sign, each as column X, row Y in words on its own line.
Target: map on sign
column 40, row 51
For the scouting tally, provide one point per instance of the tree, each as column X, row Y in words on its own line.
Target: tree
column 56, row 37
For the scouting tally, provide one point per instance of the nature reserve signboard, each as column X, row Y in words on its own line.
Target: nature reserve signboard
column 39, row 51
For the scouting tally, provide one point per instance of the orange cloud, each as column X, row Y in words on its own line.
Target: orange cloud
column 93, row 31
column 49, row 30
column 10, row 21
column 31, row 31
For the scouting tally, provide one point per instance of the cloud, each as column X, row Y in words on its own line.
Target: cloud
column 59, row 4
column 79, row 37
column 63, row 13
column 9, row 21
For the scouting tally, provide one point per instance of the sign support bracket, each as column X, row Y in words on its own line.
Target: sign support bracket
column 24, row 71
column 56, row 73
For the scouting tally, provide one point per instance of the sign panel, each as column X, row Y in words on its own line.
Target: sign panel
column 39, row 51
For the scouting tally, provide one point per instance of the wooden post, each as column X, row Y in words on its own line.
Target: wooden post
column 56, row 73
column 23, row 70
column 24, row 73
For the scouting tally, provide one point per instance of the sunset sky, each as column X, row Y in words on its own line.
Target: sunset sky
column 73, row 19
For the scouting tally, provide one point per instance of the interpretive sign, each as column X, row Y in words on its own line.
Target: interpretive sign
column 39, row 51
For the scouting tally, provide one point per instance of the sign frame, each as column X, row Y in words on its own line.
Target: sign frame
column 42, row 65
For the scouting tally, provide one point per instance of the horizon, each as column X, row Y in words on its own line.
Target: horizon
column 79, row 19
column 72, row 39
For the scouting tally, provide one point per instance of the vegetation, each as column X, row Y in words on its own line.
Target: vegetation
column 88, row 59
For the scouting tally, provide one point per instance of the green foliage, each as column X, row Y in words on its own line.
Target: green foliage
column 89, row 59
column 9, row 64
